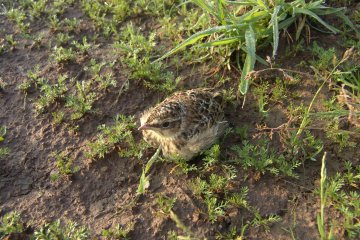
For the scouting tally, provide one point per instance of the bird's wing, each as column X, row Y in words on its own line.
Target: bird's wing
column 202, row 112
column 206, row 138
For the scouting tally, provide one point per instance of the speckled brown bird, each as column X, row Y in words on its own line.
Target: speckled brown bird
column 185, row 123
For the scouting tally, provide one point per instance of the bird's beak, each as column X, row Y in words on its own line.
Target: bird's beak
column 143, row 127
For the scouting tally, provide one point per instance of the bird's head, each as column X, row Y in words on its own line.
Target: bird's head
column 164, row 119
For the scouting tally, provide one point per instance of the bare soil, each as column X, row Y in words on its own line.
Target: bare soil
column 99, row 196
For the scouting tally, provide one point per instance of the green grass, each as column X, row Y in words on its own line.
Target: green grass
column 258, row 26
column 88, row 58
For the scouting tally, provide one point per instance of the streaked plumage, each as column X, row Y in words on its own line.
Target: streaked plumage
column 185, row 123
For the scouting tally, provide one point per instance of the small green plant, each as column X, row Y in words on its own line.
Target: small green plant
column 260, row 221
column 62, row 39
column 4, row 151
column 63, row 55
column 81, row 102
column 215, row 208
column 19, row 17
column 238, row 199
column 336, row 193
column 54, row 22
column 261, row 93
column 261, row 158
column 184, row 165
column 208, row 191
column 117, row 232
column 120, row 10
column 341, row 137
column 104, row 80
column 11, row 223
column 51, row 93
column 37, row 8
column 64, row 164
column 324, row 58
column 55, row 230
column 212, row 157
column 110, row 137
column 302, row 148
column 165, row 203
column 278, row 92
column 72, row 24
column 58, row 117
column 33, row 78
column 11, row 41
column 83, row 47
column 137, row 49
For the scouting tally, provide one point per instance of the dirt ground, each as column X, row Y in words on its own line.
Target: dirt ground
column 99, row 196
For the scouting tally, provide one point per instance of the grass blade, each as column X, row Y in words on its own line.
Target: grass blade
column 316, row 17
column 144, row 180
column 221, row 15
column 206, row 7
column 250, row 60
column 320, row 217
column 194, row 38
column 348, row 22
column 300, row 27
column 287, row 22
column 222, row 41
column 275, row 25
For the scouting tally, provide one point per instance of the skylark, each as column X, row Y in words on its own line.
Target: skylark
column 185, row 123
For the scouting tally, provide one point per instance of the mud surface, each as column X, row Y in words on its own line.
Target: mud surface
column 101, row 194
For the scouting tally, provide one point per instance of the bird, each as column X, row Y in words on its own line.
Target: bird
column 185, row 123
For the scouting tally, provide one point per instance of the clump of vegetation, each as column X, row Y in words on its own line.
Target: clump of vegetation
column 117, row 232
column 339, row 193
column 51, row 93
column 63, row 55
column 64, row 164
column 4, row 151
column 137, row 50
column 165, row 203
column 81, row 102
column 18, row 16
column 262, row 158
column 55, row 230
column 11, row 223
column 104, row 80
column 259, row 22
column 117, row 135
column 33, row 78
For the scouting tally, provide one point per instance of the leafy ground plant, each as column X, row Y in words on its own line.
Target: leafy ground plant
column 82, row 101
column 64, row 165
column 110, row 136
column 117, row 232
column 56, row 230
column 4, row 151
column 136, row 49
column 11, row 223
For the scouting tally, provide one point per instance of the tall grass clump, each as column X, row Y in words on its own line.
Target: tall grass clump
column 245, row 26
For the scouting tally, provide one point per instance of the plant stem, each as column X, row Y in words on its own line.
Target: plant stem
column 307, row 113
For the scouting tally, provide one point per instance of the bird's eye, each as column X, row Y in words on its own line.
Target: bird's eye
column 165, row 124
